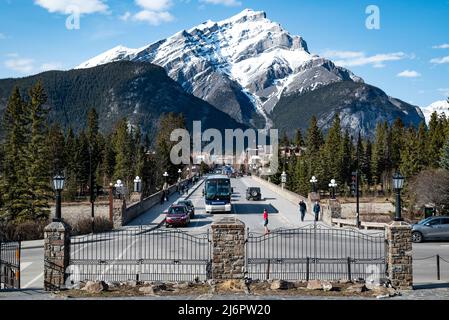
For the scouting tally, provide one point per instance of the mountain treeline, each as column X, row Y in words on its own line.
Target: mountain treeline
column 33, row 152
column 337, row 155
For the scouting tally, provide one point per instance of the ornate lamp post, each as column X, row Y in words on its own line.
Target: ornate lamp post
column 58, row 184
column 398, row 185
column 119, row 187
column 138, row 184
column 314, row 181
column 333, row 185
column 179, row 174
column 283, row 179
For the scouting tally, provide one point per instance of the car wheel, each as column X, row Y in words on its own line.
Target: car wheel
column 417, row 237
column 254, row 194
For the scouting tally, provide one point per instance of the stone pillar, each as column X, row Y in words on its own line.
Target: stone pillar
column 56, row 255
column 399, row 255
column 119, row 206
column 228, row 253
column 333, row 210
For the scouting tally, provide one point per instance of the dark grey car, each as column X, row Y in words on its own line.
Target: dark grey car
column 432, row 228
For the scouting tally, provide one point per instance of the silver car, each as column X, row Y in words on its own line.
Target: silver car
column 432, row 228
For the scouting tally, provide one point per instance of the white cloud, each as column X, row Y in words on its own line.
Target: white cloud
column 152, row 17
column 67, row 6
column 442, row 46
column 359, row 58
column 409, row 74
column 153, row 12
column 444, row 91
column 227, row 3
column 2, row 36
column 51, row 66
column 125, row 16
column 440, row 60
column 21, row 65
column 154, row 5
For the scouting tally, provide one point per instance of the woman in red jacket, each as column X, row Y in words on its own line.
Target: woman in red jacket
column 265, row 221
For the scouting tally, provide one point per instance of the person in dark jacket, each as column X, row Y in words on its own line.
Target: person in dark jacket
column 302, row 209
column 317, row 210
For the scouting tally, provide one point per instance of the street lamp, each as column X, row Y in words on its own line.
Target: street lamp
column 333, row 185
column 137, row 184
column 119, row 187
column 283, row 179
column 165, row 175
column 398, row 184
column 179, row 173
column 314, row 181
column 58, row 184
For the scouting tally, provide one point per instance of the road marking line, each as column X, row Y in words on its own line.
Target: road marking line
column 33, row 281
column 24, row 265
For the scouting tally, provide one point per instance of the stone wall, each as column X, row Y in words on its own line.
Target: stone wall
column 399, row 255
column 56, row 255
column 124, row 214
column 286, row 194
column 228, row 252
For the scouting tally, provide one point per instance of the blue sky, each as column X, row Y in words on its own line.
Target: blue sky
column 408, row 56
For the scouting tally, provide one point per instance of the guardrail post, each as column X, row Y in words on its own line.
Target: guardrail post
column 399, row 255
column 56, row 255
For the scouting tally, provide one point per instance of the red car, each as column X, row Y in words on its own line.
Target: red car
column 177, row 216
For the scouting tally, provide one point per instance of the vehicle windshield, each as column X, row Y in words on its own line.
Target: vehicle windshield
column 176, row 211
column 422, row 222
column 218, row 189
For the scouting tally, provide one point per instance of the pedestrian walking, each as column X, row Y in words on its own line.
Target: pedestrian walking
column 302, row 209
column 317, row 210
column 163, row 197
column 265, row 221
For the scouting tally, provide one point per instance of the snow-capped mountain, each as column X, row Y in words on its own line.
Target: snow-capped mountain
column 236, row 64
column 438, row 106
column 247, row 65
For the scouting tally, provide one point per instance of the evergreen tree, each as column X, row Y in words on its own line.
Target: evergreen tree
column 299, row 141
column 167, row 124
column 39, row 176
column 444, row 161
column 123, row 158
column 14, row 185
column 56, row 141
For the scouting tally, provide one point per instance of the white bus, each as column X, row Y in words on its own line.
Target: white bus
column 217, row 194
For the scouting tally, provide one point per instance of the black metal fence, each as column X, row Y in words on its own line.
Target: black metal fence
column 316, row 252
column 10, row 265
column 140, row 254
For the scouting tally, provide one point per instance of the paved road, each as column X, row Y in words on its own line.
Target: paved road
column 282, row 213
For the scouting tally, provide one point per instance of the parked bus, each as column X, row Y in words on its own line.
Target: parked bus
column 217, row 194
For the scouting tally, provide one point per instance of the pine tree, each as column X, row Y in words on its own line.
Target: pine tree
column 14, row 184
column 410, row 165
column 379, row 152
column 299, row 141
column 444, row 161
column 70, row 151
column 56, row 141
column 167, row 124
column 314, row 141
column 123, row 152
column 38, row 173
column 436, row 139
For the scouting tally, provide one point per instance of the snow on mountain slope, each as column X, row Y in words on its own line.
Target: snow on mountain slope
column 241, row 65
column 439, row 106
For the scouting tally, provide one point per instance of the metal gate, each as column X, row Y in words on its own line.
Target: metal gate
column 140, row 254
column 10, row 265
column 316, row 252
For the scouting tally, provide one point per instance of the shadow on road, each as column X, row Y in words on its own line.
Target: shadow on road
column 431, row 286
column 250, row 208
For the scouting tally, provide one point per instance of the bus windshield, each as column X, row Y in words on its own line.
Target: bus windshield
column 218, row 189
